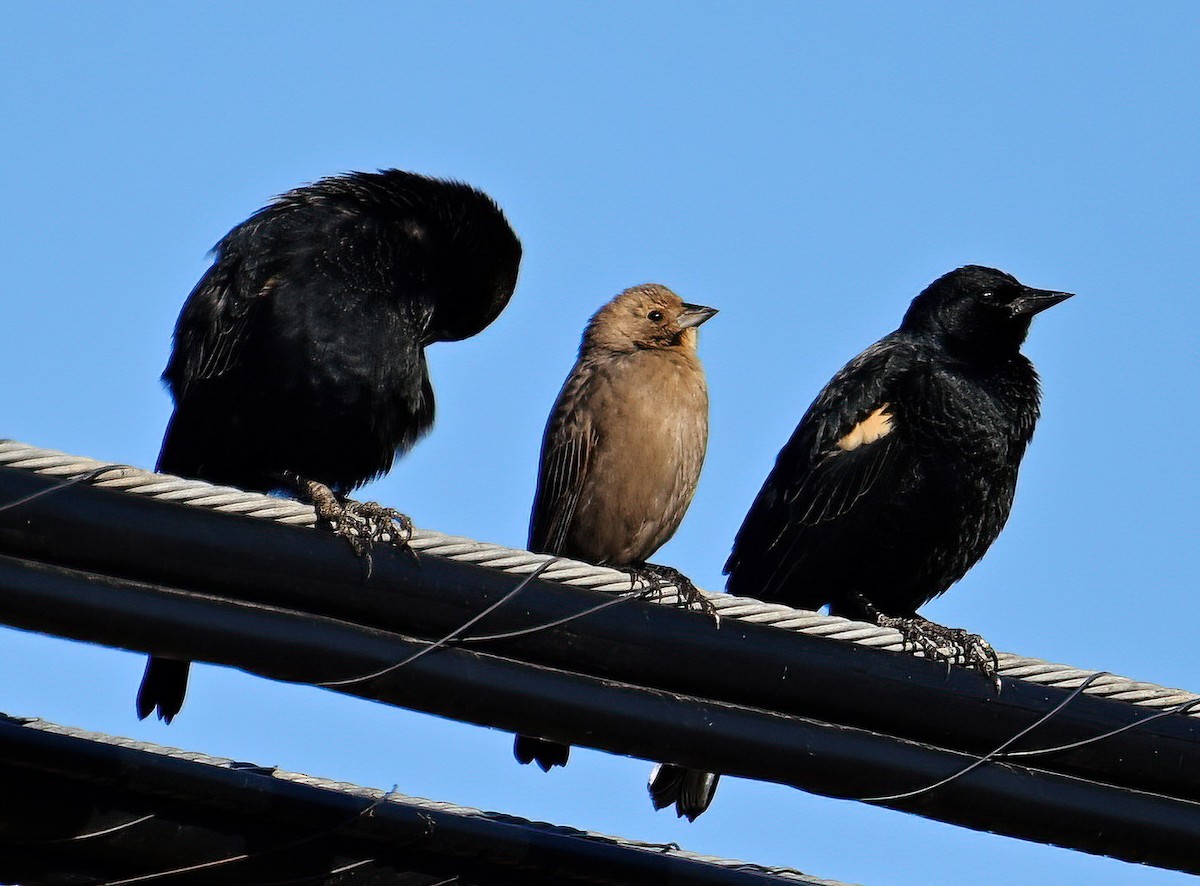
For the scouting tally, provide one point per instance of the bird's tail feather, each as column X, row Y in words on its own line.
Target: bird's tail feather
column 691, row 790
column 163, row 687
column 547, row 754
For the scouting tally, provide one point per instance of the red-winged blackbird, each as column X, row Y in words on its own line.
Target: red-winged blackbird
column 898, row 478
column 299, row 356
column 623, row 447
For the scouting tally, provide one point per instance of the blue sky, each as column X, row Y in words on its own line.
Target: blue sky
column 806, row 168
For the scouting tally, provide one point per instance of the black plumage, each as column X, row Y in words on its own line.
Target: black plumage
column 302, row 348
column 902, row 472
column 300, row 353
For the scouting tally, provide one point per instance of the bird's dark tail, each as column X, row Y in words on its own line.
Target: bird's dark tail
column 163, row 687
column 546, row 754
column 691, row 790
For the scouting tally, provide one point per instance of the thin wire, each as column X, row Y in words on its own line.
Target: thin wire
column 988, row 756
column 446, row 639
column 62, row 484
column 320, row 876
column 246, row 856
column 483, row 638
column 93, row 834
column 1184, row 708
column 642, row 593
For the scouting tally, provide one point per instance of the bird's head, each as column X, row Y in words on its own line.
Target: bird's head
column 451, row 254
column 980, row 310
column 643, row 317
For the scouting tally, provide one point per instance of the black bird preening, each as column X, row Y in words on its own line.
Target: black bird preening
column 623, row 447
column 299, row 357
column 899, row 477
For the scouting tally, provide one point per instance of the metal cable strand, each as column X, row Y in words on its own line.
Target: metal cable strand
column 197, row 493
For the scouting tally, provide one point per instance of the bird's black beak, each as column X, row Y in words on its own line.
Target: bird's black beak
column 1034, row 301
column 694, row 315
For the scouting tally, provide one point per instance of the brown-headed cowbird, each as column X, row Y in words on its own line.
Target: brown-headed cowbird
column 898, row 478
column 624, row 445
column 299, row 357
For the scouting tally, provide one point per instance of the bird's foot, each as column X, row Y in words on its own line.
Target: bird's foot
column 659, row 578
column 950, row 645
column 362, row 523
column 366, row 523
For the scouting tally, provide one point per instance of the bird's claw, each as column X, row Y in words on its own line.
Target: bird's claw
column 366, row 523
column 362, row 523
column 950, row 645
column 976, row 652
column 659, row 578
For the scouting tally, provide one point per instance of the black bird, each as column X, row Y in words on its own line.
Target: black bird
column 299, row 357
column 898, row 478
column 623, row 448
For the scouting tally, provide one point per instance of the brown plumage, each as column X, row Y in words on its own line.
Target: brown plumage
column 624, row 445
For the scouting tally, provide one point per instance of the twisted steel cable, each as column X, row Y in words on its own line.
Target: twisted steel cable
column 197, row 493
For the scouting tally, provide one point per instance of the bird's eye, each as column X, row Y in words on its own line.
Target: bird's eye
column 656, row 316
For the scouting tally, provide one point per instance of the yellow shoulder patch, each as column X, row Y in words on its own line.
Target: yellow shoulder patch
column 874, row 427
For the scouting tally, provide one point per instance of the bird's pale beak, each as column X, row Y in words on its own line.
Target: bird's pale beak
column 694, row 315
column 1034, row 301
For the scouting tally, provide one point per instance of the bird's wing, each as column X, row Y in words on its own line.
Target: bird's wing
column 309, row 252
column 217, row 318
column 211, row 331
column 567, row 451
column 847, row 451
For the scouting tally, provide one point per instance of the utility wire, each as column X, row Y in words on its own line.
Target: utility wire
column 247, row 856
column 350, row 681
column 1049, row 715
